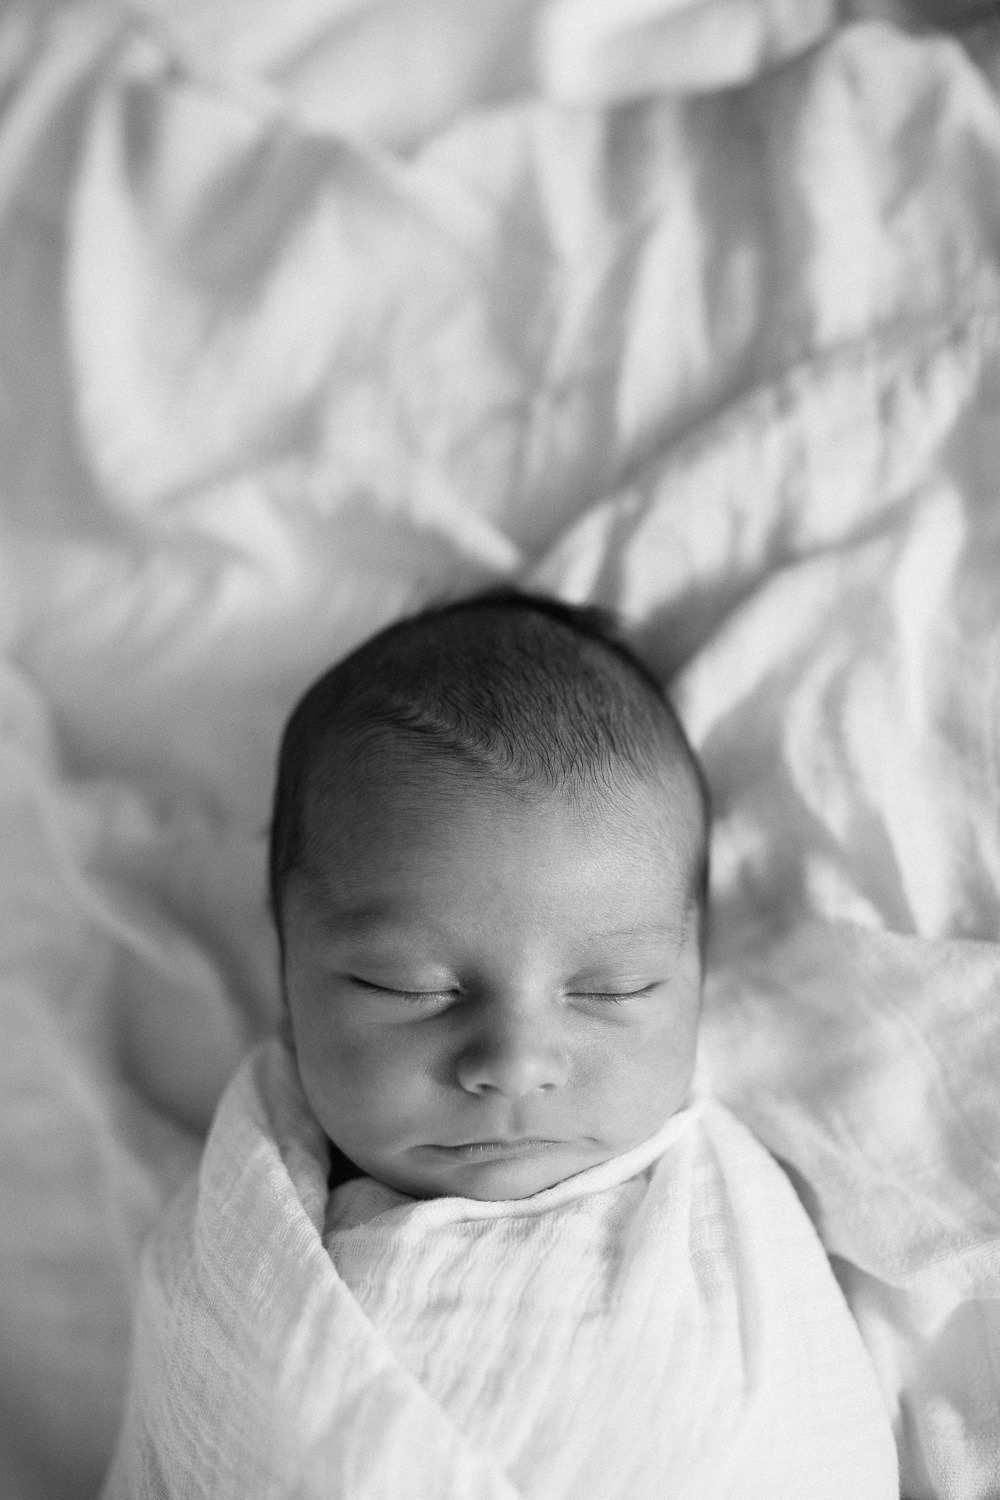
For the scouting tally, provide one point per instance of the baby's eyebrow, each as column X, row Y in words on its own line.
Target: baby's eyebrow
column 649, row 938
column 640, row 929
column 670, row 933
column 379, row 919
column 369, row 920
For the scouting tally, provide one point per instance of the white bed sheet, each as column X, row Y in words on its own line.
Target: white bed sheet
column 697, row 316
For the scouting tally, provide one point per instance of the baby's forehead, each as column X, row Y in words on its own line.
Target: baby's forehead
column 378, row 806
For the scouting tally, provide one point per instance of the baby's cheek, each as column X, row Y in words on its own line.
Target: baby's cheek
column 653, row 1082
column 329, row 1062
column 374, row 1077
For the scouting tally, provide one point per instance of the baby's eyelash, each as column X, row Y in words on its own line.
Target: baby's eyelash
column 614, row 997
column 420, row 997
column 427, row 997
column 414, row 996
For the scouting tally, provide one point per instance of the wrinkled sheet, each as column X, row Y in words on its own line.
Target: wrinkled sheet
column 690, row 310
column 584, row 1342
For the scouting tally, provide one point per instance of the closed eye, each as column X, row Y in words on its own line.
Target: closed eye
column 613, row 997
column 412, row 996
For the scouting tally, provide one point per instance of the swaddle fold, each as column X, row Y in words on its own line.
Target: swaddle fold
column 665, row 1324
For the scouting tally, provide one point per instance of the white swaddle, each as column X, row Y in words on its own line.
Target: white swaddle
column 665, row 1323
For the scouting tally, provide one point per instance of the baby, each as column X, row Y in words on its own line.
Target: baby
column 488, row 874
column 468, row 1229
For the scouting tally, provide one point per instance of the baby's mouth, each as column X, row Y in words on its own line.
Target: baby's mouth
column 489, row 1150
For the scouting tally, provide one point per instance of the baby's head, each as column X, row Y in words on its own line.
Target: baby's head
column 488, row 872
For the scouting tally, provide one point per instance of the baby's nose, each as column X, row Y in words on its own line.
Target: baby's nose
column 512, row 1052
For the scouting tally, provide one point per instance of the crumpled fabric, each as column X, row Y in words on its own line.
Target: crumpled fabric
column 723, row 358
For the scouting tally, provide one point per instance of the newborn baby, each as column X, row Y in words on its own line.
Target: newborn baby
column 488, row 874
column 468, row 1229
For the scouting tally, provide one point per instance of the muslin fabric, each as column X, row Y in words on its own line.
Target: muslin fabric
column 663, row 1324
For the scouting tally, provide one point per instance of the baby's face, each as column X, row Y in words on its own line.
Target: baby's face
column 490, row 993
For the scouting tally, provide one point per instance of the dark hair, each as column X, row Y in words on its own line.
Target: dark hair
column 514, row 686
